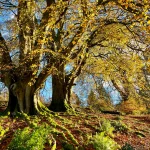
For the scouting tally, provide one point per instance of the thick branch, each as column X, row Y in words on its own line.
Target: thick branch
column 134, row 9
column 124, row 94
column 5, row 62
column 4, row 52
column 50, row 2
column 47, row 70
column 77, row 69
column 7, row 5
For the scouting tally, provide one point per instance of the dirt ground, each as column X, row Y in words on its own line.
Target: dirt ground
column 138, row 136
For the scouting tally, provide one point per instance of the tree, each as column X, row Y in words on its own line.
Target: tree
column 121, row 60
column 91, row 98
column 98, row 97
column 74, row 99
column 44, row 49
column 48, row 35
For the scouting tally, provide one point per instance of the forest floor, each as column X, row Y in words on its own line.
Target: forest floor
column 133, row 130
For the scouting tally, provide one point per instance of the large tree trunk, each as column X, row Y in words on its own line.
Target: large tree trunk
column 29, row 100
column 12, row 104
column 21, row 99
column 61, row 89
column 59, row 94
column 62, row 84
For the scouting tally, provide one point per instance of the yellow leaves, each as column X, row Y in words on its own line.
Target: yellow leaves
column 33, row 66
column 125, row 3
column 119, row 36
column 148, row 22
column 148, row 62
column 42, row 41
column 30, row 83
column 130, row 79
column 92, row 15
column 73, row 42
column 133, row 104
column 125, row 67
column 148, row 65
column 70, row 26
column 33, row 80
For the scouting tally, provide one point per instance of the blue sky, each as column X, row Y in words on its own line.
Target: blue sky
column 82, row 89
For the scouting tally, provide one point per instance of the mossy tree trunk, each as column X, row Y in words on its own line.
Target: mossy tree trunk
column 21, row 99
column 58, row 93
column 62, row 84
column 60, row 90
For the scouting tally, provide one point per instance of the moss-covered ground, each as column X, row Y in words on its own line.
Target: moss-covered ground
column 81, row 130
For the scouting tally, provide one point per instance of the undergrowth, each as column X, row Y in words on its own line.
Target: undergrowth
column 119, row 126
column 46, row 128
column 107, row 128
column 102, row 142
column 37, row 134
column 104, row 139
column 32, row 138
column 127, row 147
column 3, row 131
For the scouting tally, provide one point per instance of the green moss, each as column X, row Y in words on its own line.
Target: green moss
column 2, row 132
column 127, row 147
column 120, row 126
column 107, row 128
column 67, row 146
column 102, row 142
column 31, row 139
column 140, row 134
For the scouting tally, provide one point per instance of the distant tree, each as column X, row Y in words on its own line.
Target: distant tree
column 74, row 99
column 132, row 106
column 99, row 99
column 92, row 99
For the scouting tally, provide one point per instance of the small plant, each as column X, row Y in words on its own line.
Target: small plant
column 102, row 142
column 118, row 118
column 107, row 128
column 120, row 126
column 127, row 147
column 3, row 131
column 67, row 146
column 70, row 110
column 31, row 139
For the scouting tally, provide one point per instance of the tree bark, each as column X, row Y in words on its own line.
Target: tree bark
column 12, row 104
column 21, row 99
column 62, row 84
column 61, row 89
column 58, row 94
column 29, row 100
column 124, row 93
